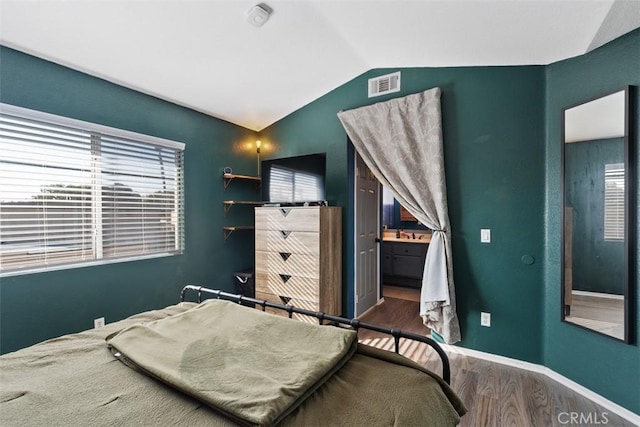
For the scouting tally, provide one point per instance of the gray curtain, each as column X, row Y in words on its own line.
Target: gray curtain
column 401, row 142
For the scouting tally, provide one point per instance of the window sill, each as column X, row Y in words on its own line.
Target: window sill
column 85, row 264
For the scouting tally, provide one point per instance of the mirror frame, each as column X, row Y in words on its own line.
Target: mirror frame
column 629, row 212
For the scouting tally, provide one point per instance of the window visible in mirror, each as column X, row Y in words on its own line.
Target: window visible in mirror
column 387, row 208
column 614, row 201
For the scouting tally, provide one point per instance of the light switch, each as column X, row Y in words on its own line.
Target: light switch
column 485, row 319
column 485, row 235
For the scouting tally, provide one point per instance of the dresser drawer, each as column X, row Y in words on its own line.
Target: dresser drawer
column 272, row 299
column 268, row 296
column 286, row 241
column 292, row 219
column 287, row 285
column 288, row 263
column 306, row 305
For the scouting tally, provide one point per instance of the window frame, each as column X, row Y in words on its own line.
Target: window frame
column 96, row 130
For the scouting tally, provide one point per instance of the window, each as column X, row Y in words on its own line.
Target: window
column 290, row 185
column 614, row 201
column 73, row 192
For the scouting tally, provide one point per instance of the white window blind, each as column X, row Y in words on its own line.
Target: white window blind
column 614, row 201
column 289, row 185
column 74, row 192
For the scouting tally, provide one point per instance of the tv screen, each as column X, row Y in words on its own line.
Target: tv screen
column 294, row 179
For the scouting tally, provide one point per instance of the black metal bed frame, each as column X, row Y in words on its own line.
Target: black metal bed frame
column 333, row 320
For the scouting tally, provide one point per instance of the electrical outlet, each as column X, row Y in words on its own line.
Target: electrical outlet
column 485, row 319
column 98, row 323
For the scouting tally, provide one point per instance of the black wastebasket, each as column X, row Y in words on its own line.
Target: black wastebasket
column 244, row 283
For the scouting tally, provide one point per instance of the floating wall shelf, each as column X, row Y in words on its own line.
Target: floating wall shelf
column 228, row 177
column 231, row 229
column 229, row 203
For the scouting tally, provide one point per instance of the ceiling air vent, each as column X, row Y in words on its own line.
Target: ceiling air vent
column 382, row 85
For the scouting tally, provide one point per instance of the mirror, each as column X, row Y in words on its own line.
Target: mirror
column 596, row 226
column 394, row 215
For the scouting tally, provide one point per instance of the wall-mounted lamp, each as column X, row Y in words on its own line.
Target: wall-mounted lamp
column 258, row 145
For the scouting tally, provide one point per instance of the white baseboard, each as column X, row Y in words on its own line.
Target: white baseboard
column 380, row 301
column 598, row 295
column 591, row 395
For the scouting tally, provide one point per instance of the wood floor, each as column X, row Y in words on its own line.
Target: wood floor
column 605, row 315
column 494, row 394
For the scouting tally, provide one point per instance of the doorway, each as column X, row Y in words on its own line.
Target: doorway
column 367, row 239
column 375, row 211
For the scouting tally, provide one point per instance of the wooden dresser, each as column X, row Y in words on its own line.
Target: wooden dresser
column 299, row 257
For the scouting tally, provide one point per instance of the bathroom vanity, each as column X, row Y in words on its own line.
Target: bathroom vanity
column 403, row 258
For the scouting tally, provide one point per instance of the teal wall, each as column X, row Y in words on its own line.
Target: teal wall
column 493, row 127
column 601, row 364
column 35, row 307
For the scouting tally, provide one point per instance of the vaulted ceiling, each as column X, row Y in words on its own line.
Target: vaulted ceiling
column 206, row 56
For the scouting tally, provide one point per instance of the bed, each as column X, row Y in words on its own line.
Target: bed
column 222, row 361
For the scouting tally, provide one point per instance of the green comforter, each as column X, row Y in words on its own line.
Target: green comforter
column 254, row 367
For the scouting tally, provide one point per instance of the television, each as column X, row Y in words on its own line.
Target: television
column 294, row 180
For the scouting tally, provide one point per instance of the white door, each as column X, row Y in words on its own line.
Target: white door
column 367, row 227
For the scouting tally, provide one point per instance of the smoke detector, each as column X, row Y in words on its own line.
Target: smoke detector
column 258, row 15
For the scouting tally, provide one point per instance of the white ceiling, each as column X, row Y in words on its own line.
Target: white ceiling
column 204, row 55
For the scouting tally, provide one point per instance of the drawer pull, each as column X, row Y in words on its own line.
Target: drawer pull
column 284, row 212
column 285, row 255
column 285, row 300
column 285, row 277
column 285, row 233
